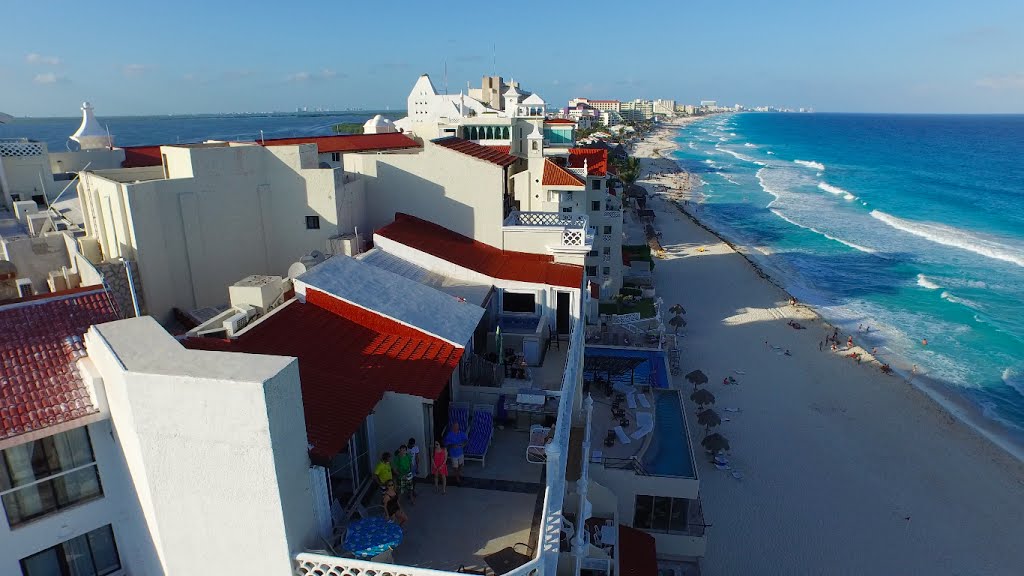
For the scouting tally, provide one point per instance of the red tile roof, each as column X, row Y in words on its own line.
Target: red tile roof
column 597, row 160
column 637, row 552
column 442, row 243
column 40, row 342
column 490, row 154
column 350, row 142
column 348, row 358
column 559, row 121
column 505, row 148
column 555, row 175
column 139, row 156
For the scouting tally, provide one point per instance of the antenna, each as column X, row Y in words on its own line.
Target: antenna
column 446, row 77
column 110, row 141
column 262, row 141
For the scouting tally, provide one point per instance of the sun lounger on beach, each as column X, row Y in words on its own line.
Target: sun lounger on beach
column 631, row 401
column 621, row 435
column 643, row 400
column 731, row 409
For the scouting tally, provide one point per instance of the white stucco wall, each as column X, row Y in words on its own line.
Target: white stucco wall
column 396, row 418
column 36, row 257
column 449, row 188
column 100, row 159
column 215, row 444
column 116, row 507
column 28, row 176
column 226, row 212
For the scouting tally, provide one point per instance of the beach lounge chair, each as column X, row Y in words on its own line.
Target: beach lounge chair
column 621, row 435
column 535, row 451
column 459, row 412
column 482, row 432
column 644, row 425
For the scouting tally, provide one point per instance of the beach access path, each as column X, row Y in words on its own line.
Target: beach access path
column 844, row 470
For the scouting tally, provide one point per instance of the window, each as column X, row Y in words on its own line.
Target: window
column 312, row 222
column 593, row 252
column 335, row 156
column 512, row 302
column 39, row 199
column 595, row 185
column 52, row 473
column 569, row 209
column 607, row 250
column 595, row 205
column 607, row 229
column 91, row 554
column 592, row 271
column 606, row 271
column 661, row 513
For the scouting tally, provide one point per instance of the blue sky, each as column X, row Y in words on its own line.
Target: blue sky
column 220, row 56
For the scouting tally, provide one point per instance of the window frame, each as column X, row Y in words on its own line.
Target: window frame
column 314, row 220
column 607, row 230
column 534, row 297
column 661, row 522
column 50, row 479
column 61, row 555
column 595, row 205
column 591, row 271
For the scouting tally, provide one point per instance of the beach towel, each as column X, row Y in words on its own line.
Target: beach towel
column 621, row 434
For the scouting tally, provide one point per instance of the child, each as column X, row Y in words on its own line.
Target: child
column 414, row 451
column 440, row 467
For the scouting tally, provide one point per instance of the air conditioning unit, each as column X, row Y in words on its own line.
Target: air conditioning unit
column 25, row 288
column 235, row 323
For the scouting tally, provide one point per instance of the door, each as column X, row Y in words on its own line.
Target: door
column 562, row 312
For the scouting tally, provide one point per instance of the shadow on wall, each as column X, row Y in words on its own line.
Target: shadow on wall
column 396, row 190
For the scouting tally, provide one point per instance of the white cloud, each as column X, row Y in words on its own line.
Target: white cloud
column 325, row 74
column 48, row 78
column 134, row 70
column 35, row 58
column 1005, row 82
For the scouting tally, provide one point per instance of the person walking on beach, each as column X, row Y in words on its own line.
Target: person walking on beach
column 849, row 342
column 821, row 346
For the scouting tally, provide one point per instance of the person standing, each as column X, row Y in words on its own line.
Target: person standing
column 440, row 467
column 414, row 451
column 403, row 471
column 455, row 440
column 383, row 473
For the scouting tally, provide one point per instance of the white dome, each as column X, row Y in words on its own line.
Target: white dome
column 379, row 125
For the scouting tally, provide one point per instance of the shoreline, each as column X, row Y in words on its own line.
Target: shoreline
column 943, row 394
column 841, row 469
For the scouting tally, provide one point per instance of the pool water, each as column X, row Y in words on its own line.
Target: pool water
column 519, row 324
column 651, row 373
column 668, row 453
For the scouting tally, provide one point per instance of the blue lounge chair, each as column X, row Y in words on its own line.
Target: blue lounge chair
column 482, row 433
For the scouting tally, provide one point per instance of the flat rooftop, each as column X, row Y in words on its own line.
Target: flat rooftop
column 472, row 292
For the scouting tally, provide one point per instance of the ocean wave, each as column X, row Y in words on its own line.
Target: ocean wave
column 829, row 236
column 836, row 190
column 749, row 145
column 1012, row 378
column 728, row 178
column 924, row 282
column 958, row 300
column 770, row 152
column 741, row 156
column 811, row 164
column 691, row 145
column 955, row 237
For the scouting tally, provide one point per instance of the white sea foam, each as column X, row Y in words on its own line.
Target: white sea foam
column 958, row 300
column 1012, row 378
column 924, row 282
column 816, row 231
column 811, row 164
column 749, row 145
column 770, row 152
column 728, row 178
column 836, row 190
column 691, row 145
column 739, row 156
column 955, row 237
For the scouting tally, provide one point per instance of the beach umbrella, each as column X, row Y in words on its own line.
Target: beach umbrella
column 715, row 443
column 708, row 418
column 677, row 309
column 702, row 397
column 696, row 378
column 677, row 322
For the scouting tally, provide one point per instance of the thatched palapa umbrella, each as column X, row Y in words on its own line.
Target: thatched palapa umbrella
column 696, row 378
column 708, row 419
column 702, row 397
column 677, row 322
column 677, row 309
column 715, row 443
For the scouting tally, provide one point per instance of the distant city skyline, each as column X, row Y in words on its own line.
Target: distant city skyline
column 132, row 59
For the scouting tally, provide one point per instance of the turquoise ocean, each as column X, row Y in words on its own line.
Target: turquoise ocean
column 912, row 225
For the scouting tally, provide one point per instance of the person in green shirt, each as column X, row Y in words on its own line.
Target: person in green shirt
column 403, row 470
column 382, row 473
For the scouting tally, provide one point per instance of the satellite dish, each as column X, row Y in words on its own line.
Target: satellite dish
column 295, row 270
column 326, row 165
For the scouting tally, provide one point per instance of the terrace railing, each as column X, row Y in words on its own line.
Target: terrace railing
column 574, row 226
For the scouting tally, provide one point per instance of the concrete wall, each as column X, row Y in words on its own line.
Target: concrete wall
column 453, row 190
column 396, row 418
column 215, row 445
column 36, row 257
column 28, row 176
column 112, row 508
column 101, row 159
column 243, row 212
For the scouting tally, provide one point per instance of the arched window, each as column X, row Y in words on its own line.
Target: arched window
column 504, row 132
column 490, row 132
column 472, row 133
column 535, row 145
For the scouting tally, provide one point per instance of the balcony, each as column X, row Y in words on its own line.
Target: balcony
column 549, row 232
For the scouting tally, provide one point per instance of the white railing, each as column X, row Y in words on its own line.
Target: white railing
column 614, row 214
column 20, row 147
column 562, row 219
column 312, row 564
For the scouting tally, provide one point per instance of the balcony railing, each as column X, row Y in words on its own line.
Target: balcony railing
column 574, row 227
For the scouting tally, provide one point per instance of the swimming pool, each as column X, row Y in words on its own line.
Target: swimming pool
column 668, row 453
column 650, row 373
column 519, row 324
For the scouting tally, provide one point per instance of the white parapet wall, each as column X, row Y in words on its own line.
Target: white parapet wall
column 215, row 446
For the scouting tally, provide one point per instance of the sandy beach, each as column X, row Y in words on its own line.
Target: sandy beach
column 844, row 470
